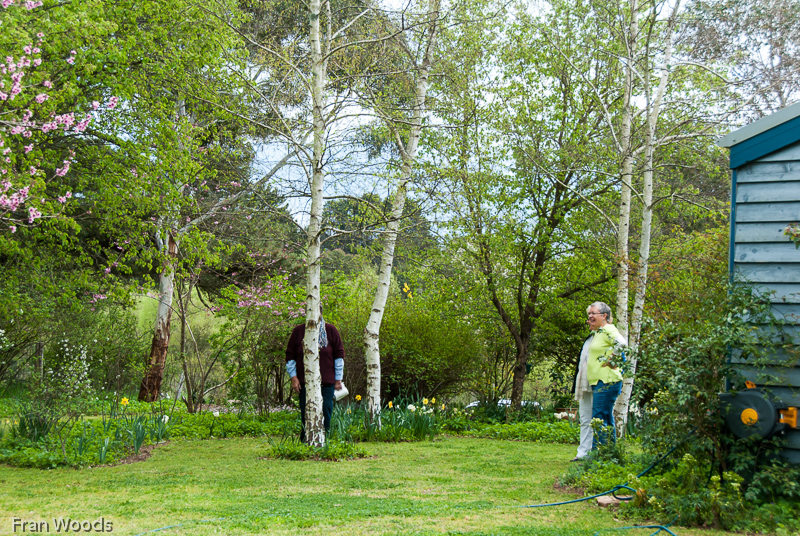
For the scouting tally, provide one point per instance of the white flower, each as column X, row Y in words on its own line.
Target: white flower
column 216, row 413
column 165, row 419
column 412, row 408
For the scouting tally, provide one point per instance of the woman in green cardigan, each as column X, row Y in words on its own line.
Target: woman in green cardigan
column 603, row 376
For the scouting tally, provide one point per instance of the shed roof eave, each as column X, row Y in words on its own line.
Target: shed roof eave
column 762, row 125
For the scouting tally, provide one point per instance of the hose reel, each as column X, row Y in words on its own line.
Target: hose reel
column 750, row 412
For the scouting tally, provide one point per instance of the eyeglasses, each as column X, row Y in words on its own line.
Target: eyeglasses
column 594, row 314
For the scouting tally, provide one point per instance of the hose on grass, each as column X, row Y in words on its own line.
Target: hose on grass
column 611, row 492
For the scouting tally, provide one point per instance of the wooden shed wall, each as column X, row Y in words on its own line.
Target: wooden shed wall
column 767, row 199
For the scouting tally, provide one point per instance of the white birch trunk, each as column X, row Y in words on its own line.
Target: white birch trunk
column 626, row 130
column 408, row 152
column 623, row 400
column 315, row 428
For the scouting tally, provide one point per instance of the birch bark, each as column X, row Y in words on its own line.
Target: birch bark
column 315, row 428
column 408, row 153
column 653, row 103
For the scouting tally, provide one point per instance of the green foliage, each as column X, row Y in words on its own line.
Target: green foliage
column 684, row 360
column 793, row 232
column 544, row 432
column 427, row 348
column 291, row 448
column 402, row 419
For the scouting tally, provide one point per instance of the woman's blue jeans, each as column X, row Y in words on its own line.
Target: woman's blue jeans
column 604, row 395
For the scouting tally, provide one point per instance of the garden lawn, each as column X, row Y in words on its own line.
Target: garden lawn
column 454, row 485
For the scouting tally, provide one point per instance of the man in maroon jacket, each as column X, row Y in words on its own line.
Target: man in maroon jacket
column 331, row 368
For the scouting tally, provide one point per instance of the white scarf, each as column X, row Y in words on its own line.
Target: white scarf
column 582, row 383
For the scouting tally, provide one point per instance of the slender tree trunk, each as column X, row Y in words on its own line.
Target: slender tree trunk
column 315, row 428
column 151, row 383
column 408, row 152
column 626, row 152
column 654, row 107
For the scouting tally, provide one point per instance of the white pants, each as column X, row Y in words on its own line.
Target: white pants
column 585, row 416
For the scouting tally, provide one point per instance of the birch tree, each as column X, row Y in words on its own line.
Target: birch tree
column 405, row 127
column 640, row 39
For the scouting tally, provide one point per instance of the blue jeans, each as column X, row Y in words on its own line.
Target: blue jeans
column 604, row 395
column 327, row 408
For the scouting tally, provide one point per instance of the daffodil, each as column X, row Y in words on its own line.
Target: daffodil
column 123, row 402
column 424, row 401
column 390, row 405
column 442, row 407
column 433, row 401
column 358, row 398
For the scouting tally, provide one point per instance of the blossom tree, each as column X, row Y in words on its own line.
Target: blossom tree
column 30, row 111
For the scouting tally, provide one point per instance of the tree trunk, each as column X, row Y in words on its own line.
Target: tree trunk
column 408, row 152
column 315, row 428
column 623, row 401
column 518, row 384
column 626, row 152
column 151, row 383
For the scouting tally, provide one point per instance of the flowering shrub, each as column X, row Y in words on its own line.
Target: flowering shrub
column 30, row 112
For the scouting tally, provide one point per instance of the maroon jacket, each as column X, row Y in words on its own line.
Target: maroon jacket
column 327, row 355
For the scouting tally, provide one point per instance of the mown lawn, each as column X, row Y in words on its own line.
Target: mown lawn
column 451, row 486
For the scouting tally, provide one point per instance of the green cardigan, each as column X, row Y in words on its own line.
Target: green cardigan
column 603, row 346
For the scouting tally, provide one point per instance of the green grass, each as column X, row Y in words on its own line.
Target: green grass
column 464, row 486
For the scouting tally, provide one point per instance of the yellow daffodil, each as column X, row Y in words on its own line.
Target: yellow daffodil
column 433, row 401
column 123, row 402
column 424, row 401
column 442, row 407
column 358, row 398
column 390, row 405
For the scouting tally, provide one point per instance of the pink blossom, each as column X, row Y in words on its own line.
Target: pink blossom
column 62, row 199
column 13, row 228
column 72, row 52
column 41, row 97
column 37, row 62
column 17, row 130
column 47, row 84
column 3, row 96
column 95, row 105
column 108, row 270
column 33, row 170
column 40, row 35
column 112, row 103
column 29, row 5
column 83, row 125
column 28, row 148
column 68, row 195
column 7, row 3
column 63, row 171
column 33, row 214
column 71, row 61
column 28, row 49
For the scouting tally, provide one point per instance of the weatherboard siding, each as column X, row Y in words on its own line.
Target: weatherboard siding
column 766, row 200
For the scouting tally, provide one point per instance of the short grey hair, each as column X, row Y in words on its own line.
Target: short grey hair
column 603, row 309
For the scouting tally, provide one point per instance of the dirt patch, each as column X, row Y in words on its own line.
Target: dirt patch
column 144, row 452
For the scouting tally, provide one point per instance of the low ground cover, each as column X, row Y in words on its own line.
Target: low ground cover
column 454, row 485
